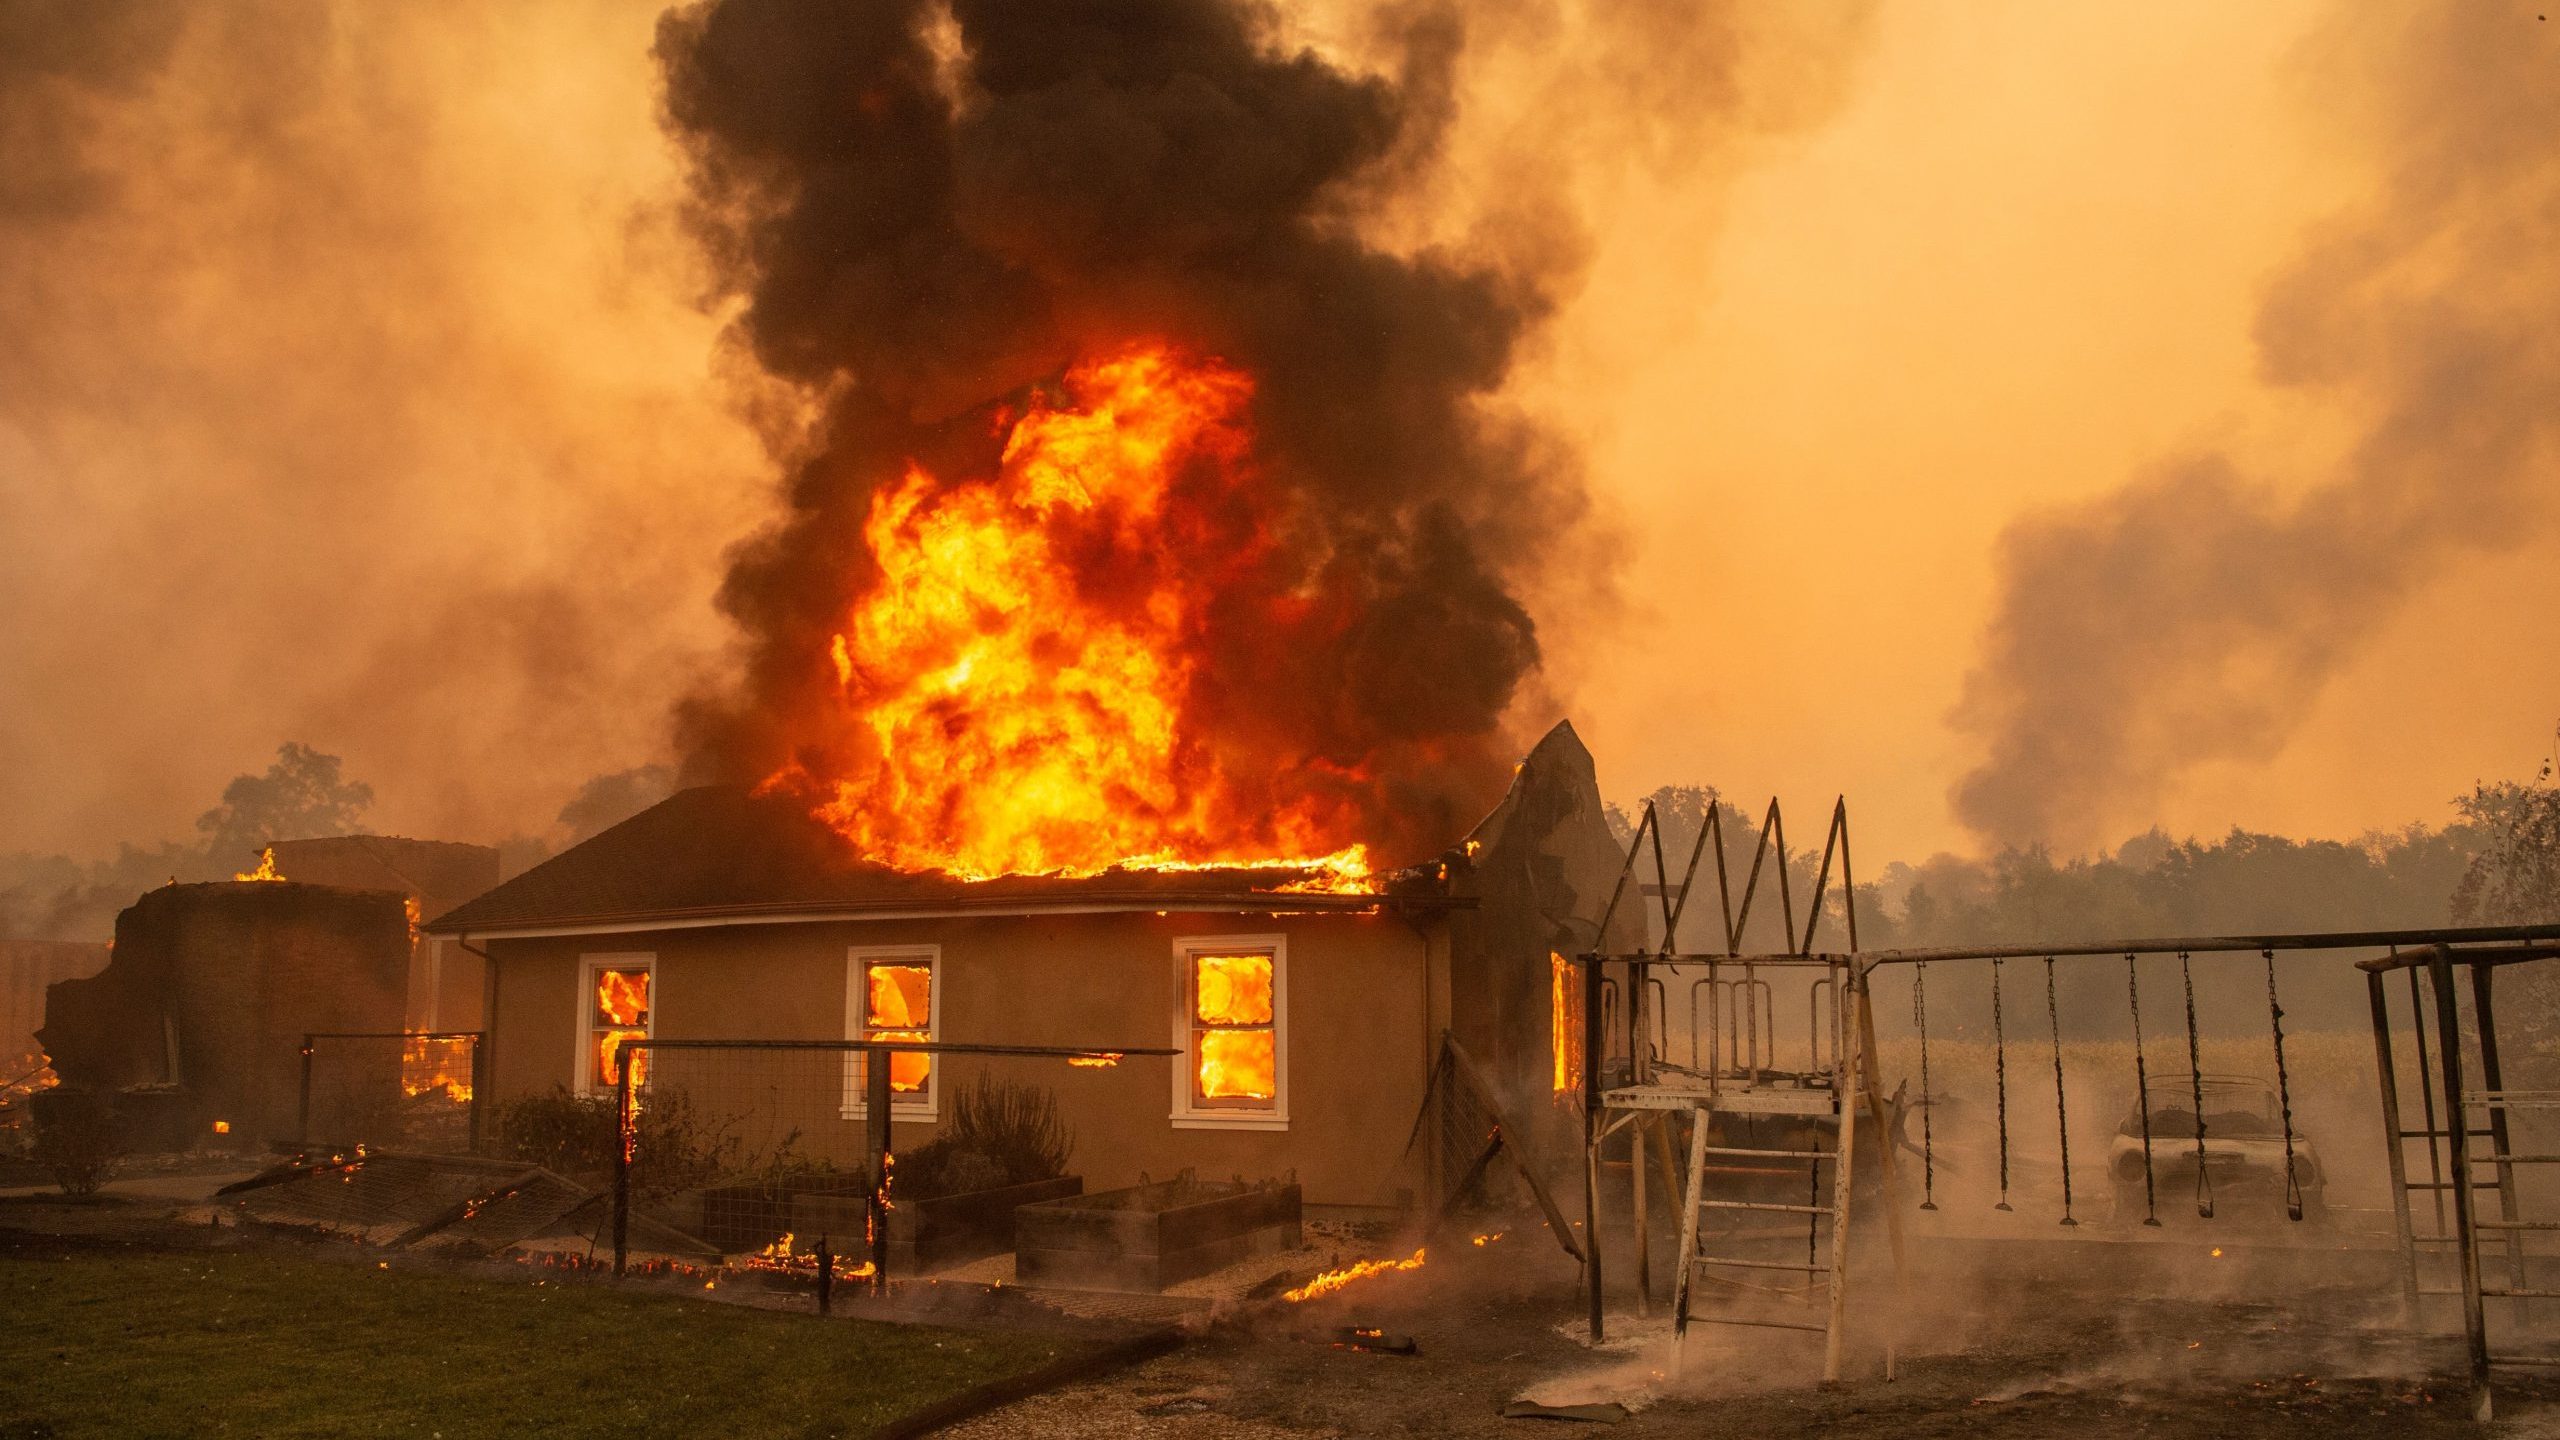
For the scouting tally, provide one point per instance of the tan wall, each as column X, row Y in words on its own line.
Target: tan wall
column 460, row 981
column 1358, row 1033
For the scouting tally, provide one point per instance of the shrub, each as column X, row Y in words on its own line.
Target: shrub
column 76, row 1139
column 1001, row 1133
column 677, row 1148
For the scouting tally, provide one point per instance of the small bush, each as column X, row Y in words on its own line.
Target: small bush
column 1001, row 1133
column 677, row 1148
column 76, row 1139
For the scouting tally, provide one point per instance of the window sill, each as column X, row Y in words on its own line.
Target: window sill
column 1227, row 1120
column 920, row 1114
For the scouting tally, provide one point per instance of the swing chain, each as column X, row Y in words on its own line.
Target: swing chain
column 2284, row 1092
column 2061, row 1111
column 2142, row 1089
column 1928, row 1147
column 2000, row 1080
column 2195, row 1072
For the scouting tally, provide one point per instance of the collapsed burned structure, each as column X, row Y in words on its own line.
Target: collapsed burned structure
column 198, row 1019
column 199, row 1015
column 1305, row 1013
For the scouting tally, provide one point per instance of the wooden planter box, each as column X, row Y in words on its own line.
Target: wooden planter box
column 1150, row 1236
column 930, row 1234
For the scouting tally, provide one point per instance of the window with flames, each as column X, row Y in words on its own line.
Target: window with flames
column 618, row 997
column 890, row 996
column 1231, row 1031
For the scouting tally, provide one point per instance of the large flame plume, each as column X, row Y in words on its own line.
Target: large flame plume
column 1019, row 678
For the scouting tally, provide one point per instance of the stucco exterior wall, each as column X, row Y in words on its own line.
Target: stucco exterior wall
column 1358, row 1032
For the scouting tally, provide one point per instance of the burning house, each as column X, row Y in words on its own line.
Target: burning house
column 1306, row 1003
column 1143, row 629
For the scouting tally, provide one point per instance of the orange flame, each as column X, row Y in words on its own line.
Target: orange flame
column 1103, row 1061
column 901, row 1004
column 427, row 1066
column 1237, row 1065
column 622, row 1008
column 1234, row 990
column 1013, row 687
column 266, row 867
column 1332, row 1280
column 1565, row 1023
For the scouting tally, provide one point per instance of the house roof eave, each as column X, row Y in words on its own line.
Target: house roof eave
column 954, row 908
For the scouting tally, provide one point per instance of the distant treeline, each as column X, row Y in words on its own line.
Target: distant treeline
column 2499, row 862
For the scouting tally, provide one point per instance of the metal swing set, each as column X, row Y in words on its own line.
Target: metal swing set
column 1751, row 1124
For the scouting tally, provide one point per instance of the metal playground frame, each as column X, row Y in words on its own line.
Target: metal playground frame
column 1734, row 1081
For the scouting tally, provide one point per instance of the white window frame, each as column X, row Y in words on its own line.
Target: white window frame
column 589, row 967
column 1191, row 1114
column 857, row 1001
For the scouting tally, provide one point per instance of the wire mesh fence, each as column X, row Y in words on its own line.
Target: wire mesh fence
column 753, row 1150
column 416, row 1090
column 776, row 1154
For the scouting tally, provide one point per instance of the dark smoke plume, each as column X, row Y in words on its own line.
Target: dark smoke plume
column 929, row 210
column 2195, row 614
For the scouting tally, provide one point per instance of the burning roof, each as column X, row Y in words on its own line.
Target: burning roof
column 715, row 851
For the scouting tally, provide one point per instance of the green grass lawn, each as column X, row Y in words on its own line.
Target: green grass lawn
column 166, row 1344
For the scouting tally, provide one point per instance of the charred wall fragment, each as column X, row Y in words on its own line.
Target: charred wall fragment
column 211, row 990
column 1543, row 866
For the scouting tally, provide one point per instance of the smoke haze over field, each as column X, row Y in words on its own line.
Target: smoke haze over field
column 350, row 392
column 2198, row 612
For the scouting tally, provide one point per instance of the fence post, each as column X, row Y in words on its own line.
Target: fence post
column 875, row 1129
column 1593, row 1041
column 2457, row 1122
column 304, row 1124
column 826, row 1276
column 2395, row 1150
column 626, row 1136
column 479, row 1085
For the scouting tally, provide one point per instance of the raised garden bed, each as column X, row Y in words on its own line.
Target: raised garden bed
column 1148, row 1237
column 932, row 1234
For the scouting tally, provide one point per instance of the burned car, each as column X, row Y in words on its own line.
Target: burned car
column 2244, row 1148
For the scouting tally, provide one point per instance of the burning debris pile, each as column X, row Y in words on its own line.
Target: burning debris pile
column 1152, row 517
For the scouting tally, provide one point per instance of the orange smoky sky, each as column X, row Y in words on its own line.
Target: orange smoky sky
column 358, row 388
column 2045, row 265
column 353, row 393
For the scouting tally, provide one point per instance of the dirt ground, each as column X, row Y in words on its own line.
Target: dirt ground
column 2095, row 1337
column 2106, row 1332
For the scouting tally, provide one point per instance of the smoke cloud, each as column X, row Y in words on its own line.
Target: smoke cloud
column 929, row 211
column 2195, row 614
column 352, row 392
